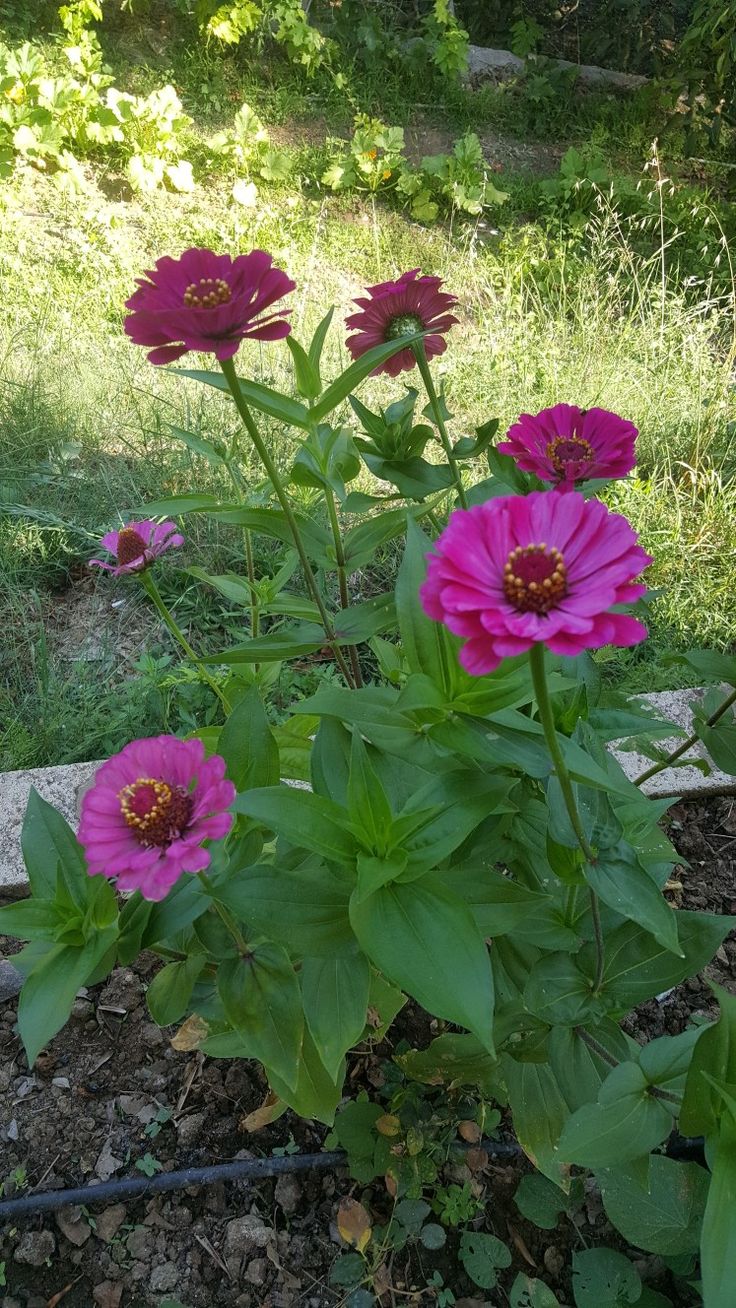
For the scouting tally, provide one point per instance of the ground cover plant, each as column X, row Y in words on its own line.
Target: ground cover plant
column 465, row 839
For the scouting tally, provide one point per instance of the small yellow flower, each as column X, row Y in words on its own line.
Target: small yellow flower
column 369, row 154
column 16, row 94
column 386, row 173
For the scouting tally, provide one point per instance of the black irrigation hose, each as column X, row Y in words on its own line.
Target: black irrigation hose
column 248, row 1170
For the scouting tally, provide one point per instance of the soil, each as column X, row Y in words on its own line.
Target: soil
column 110, row 1091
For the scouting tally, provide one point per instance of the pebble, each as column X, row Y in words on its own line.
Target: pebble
column 151, row 1035
column 109, row 1222
column 35, row 1247
column 288, row 1193
column 189, row 1129
column 82, row 1010
column 140, row 1243
column 73, row 1225
column 11, row 981
column 108, row 1294
column 245, row 1235
column 107, row 1163
column 257, row 1271
column 165, row 1277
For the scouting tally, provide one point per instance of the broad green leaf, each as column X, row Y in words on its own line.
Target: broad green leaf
column 361, row 621
column 528, row 1292
column 305, row 908
column 541, row 1201
column 316, row 1094
column 360, row 543
column 665, row 1216
column 497, row 903
column 47, row 840
column 561, row 994
column 335, row 999
column 579, row 1070
column 425, row 940
column 665, row 1062
column 626, row 1123
column 316, row 539
column 170, row 991
column 619, row 879
column 247, row 745
column 132, row 923
column 50, row 989
column 198, row 444
column 304, row 819
column 603, row 1278
column 189, row 502
column 341, row 387
column 185, row 902
column 384, row 1002
column 539, row 1112
column 714, row 1056
column 262, row 398
column 294, row 740
column 367, row 803
column 718, row 1239
column 637, row 967
column 707, row 663
column 451, row 1060
column 235, row 589
column 719, row 740
column 283, row 643
column 260, row 995
column 32, row 919
column 483, row 1256
column 425, row 646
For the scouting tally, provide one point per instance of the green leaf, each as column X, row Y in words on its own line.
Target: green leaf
column 50, row 989
column 541, row 1201
column 603, row 1278
column 637, row 967
column 198, row 444
column 318, row 340
column 626, row 1123
column 718, row 1240
column 283, row 643
column 235, row 589
column 433, row 1236
column 262, row 398
column 132, row 923
column 539, row 1111
column 483, row 1256
column 664, row 1217
column 308, row 381
column 467, row 448
column 497, row 903
column 714, row 1056
column 360, row 543
column 559, row 993
column 424, row 643
column 170, row 991
column 719, row 740
column 185, row 902
column 316, row 1095
column 451, row 1060
column 618, row 878
column 347, row 1271
column 579, row 1070
column 261, row 998
column 384, row 1002
column 335, row 999
column 528, row 1292
column 47, row 840
column 361, row 621
column 425, row 940
column 367, row 804
column 32, row 919
column 305, row 909
column 247, row 745
column 708, row 664
column 341, row 387
column 304, row 819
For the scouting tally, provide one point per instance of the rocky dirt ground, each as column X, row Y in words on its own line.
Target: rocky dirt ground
column 111, row 1098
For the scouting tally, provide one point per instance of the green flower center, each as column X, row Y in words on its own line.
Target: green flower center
column 407, row 324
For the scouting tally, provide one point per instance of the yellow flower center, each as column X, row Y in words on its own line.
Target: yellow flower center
column 534, row 578
column 207, row 293
column 568, row 449
column 157, row 812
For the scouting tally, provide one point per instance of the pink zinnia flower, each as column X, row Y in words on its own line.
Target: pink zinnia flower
column 520, row 570
column 136, row 545
column 207, row 302
column 566, row 444
column 149, row 811
column 394, row 309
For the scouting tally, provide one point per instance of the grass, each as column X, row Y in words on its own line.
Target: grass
column 591, row 311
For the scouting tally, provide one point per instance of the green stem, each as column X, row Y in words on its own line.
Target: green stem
column 686, row 744
column 667, row 1096
column 170, row 622
column 273, row 476
column 541, row 692
column 255, row 616
column 420, row 355
column 342, row 579
column 227, row 920
column 571, row 900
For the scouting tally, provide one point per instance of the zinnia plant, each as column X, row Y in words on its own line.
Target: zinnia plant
column 461, row 836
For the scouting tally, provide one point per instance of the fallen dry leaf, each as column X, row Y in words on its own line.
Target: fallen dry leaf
column 388, row 1125
column 354, row 1224
column 271, row 1108
column 521, row 1245
column 469, row 1131
column 190, row 1034
column 476, row 1159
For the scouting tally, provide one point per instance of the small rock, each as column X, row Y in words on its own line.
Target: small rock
column 108, row 1294
column 151, row 1035
column 107, row 1163
column 165, row 1277
column 82, row 1011
column 553, row 1260
column 189, row 1129
column 245, row 1235
column 35, row 1248
column 109, row 1222
column 12, row 1130
column 11, row 981
column 10, row 1303
column 257, row 1271
column 61, row 1082
column 73, row 1225
column 24, row 1085
column 288, row 1192
column 140, row 1243
column 132, row 1105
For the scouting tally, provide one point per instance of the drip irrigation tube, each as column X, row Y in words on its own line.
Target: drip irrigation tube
column 251, row 1169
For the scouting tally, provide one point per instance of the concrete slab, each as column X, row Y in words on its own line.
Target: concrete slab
column 64, row 786
column 61, row 786
column 688, row 782
column 485, row 63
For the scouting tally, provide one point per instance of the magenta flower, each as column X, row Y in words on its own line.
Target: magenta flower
column 394, row 309
column 207, row 302
column 542, row 568
column 565, row 444
column 136, row 545
column 151, row 807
